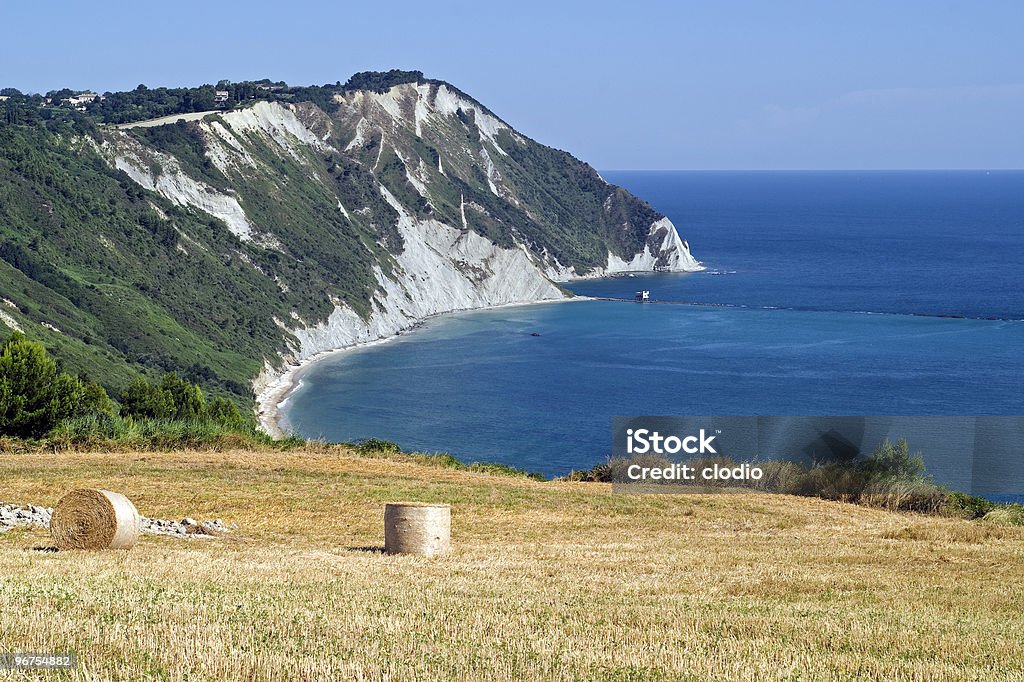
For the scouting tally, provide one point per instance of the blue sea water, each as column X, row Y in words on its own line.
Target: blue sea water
column 846, row 293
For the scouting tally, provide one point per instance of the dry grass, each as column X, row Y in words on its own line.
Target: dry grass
column 547, row 580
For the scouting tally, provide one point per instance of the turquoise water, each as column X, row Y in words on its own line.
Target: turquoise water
column 829, row 305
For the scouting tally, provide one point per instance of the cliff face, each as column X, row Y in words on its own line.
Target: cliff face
column 474, row 171
column 351, row 221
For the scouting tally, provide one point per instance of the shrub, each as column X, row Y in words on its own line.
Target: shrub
column 377, row 445
column 443, row 460
column 902, row 494
column 1010, row 515
column 788, row 478
column 837, row 481
column 895, row 461
column 619, row 466
column 37, row 399
column 450, row 461
column 176, row 398
column 699, row 464
column 599, row 473
column 502, row 470
column 967, row 506
column 96, row 401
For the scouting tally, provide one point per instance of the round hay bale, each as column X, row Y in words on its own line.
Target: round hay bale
column 94, row 519
column 417, row 528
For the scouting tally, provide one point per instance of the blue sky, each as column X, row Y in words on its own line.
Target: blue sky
column 624, row 85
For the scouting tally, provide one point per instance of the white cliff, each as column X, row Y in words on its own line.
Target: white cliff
column 163, row 174
column 664, row 249
column 440, row 267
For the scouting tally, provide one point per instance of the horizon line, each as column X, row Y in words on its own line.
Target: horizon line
column 811, row 170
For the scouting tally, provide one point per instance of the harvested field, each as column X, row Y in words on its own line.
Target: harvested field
column 544, row 580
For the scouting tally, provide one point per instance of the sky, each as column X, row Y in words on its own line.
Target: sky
column 729, row 84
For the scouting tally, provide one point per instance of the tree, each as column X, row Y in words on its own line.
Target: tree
column 186, row 398
column 172, row 398
column 95, row 399
column 66, row 400
column 34, row 395
column 225, row 412
column 142, row 399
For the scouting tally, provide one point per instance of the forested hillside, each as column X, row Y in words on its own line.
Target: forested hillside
column 210, row 247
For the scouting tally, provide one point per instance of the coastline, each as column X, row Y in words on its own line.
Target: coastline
column 272, row 399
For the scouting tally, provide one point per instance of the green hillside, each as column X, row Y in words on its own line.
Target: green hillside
column 121, row 277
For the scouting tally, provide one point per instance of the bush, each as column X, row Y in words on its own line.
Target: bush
column 377, row 445
column 618, row 467
column 836, row 481
column 788, row 478
column 895, row 461
column 186, row 398
column 95, row 400
column 1009, row 515
column 450, row 461
column 501, row 470
column 967, row 506
column 177, row 399
column 599, row 473
column 905, row 495
column 37, row 399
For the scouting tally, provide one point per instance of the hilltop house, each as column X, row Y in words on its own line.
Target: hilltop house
column 221, row 96
column 82, row 99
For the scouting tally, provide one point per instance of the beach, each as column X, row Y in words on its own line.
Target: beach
column 273, row 397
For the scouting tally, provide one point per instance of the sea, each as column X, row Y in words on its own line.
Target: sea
column 825, row 293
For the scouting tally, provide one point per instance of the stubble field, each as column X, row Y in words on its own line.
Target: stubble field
column 546, row 580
